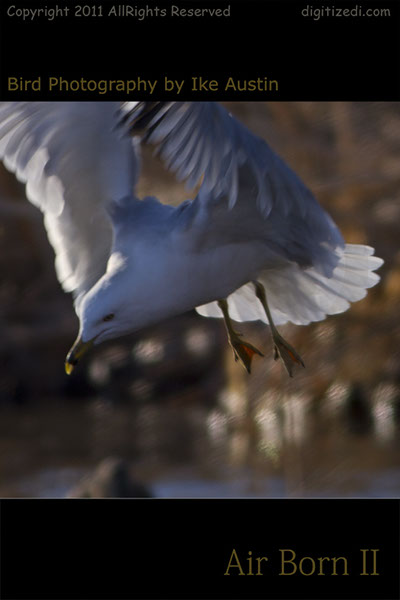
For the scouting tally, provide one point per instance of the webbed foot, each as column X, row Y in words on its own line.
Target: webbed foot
column 242, row 350
column 284, row 351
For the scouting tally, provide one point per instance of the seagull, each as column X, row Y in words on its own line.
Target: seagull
column 254, row 243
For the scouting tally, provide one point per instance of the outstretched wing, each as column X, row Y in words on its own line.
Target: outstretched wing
column 248, row 192
column 74, row 163
column 201, row 141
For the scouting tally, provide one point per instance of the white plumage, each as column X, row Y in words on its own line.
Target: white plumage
column 130, row 263
column 321, row 274
column 74, row 164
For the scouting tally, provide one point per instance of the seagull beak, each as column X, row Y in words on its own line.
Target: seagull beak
column 77, row 351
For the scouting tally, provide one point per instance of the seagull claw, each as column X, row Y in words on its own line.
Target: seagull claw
column 286, row 353
column 243, row 351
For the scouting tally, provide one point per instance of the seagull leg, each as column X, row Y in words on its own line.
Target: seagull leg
column 282, row 348
column 243, row 351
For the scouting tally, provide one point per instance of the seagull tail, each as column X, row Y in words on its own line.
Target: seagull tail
column 303, row 296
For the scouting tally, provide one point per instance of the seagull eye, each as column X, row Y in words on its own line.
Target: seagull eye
column 108, row 317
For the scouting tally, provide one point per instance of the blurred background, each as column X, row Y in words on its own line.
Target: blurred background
column 167, row 412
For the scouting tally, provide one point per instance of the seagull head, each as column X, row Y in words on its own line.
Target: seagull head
column 105, row 312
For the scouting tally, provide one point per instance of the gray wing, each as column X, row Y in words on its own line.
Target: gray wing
column 74, row 164
column 243, row 182
column 248, row 193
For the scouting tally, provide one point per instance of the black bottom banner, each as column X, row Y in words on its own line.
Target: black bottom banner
column 346, row 549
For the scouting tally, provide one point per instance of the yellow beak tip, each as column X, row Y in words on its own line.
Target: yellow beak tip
column 74, row 355
column 68, row 368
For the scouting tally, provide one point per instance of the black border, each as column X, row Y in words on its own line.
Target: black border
column 330, row 58
column 153, row 549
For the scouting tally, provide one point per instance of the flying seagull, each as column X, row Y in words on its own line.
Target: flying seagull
column 254, row 244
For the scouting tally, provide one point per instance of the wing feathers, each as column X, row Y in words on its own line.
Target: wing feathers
column 74, row 163
column 202, row 142
column 303, row 296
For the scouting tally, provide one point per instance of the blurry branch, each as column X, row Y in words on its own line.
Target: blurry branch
column 346, row 147
column 368, row 180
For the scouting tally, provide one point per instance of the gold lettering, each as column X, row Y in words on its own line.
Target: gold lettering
column 312, row 561
column 259, row 561
column 234, row 565
column 335, row 559
column 288, row 560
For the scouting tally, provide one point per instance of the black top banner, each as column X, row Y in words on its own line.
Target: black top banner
column 192, row 50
